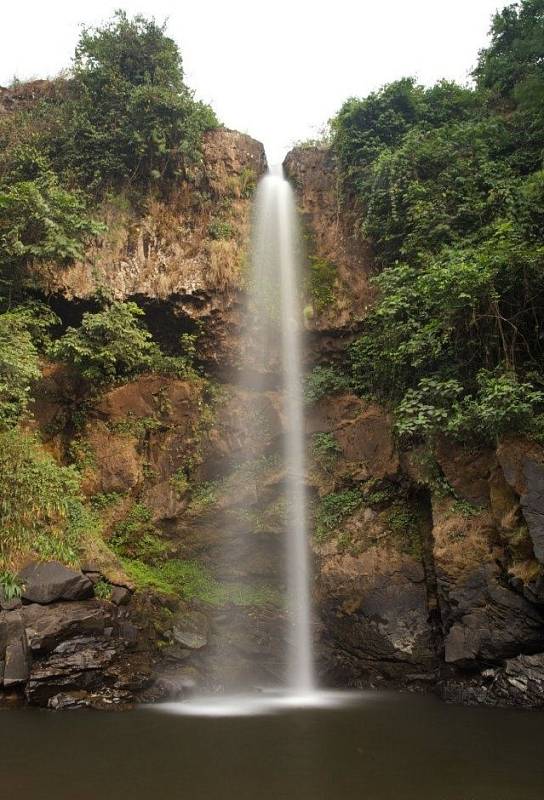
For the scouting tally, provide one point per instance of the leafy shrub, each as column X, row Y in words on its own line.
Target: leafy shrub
column 333, row 509
column 39, row 219
column 323, row 381
column 219, row 229
column 109, row 344
column 42, row 509
column 325, row 450
column 137, row 538
column 113, row 344
column 501, row 404
column 10, row 585
column 130, row 117
column 18, row 367
column 447, row 184
column 103, row 589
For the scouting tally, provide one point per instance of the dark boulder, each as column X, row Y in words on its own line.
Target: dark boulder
column 190, row 629
column 46, row 582
column 16, row 656
column 48, row 627
column 120, row 595
column 491, row 622
column 532, row 504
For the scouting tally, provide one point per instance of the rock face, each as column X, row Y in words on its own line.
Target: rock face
column 420, row 587
column 182, row 259
column 331, row 242
column 62, row 649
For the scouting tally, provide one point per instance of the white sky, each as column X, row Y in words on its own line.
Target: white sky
column 277, row 70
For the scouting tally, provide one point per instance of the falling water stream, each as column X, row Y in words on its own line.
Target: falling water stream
column 273, row 337
column 271, row 350
column 284, row 236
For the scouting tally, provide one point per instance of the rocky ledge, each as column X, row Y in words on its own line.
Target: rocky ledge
column 61, row 646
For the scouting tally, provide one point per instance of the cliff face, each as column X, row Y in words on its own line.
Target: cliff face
column 428, row 565
column 182, row 259
column 340, row 263
column 432, row 574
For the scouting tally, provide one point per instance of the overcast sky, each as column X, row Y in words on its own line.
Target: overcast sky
column 275, row 70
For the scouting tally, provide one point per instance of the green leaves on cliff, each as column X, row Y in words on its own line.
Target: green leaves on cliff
column 109, row 344
column 130, row 117
column 40, row 503
column 113, row 344
column 123, row 117
column 448, row 184
column 23, row 333
column 40, row 221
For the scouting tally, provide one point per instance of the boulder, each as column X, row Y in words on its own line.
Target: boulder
column 16, row 658
column 47, row 582
column 190, row 629
column 46, row 627
column 120, row 595
column 532, row 504
column 376, row 616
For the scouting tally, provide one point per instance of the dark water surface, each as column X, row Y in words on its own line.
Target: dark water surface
column 381, row 747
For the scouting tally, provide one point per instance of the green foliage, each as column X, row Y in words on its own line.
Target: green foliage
column 130, row 117
column 109, row 344
column 448, row 185
column 113, row 344
column 137, row 538
column 323, row 381
column 18, row 367
column 40, row 221
column 104, row 500
column 333, row 509
column 40, row 502
column 103, row 589
column 10, row 585
column 219, row 229
column 320, row 282
column 189, row 580
column 325, row 450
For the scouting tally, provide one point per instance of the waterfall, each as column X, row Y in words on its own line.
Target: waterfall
column 270, row 363
column 274, row 291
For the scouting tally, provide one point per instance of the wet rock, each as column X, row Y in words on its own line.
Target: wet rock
column 532, row 504
column 518, row 682
column 468, row 471
column 46, row 582
column 376, row 616
column 493, row 622
column 190, row 629
column 48, row 626
column 16, row 656
column 73, row 665
column 174, row 683
column 120, row 596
